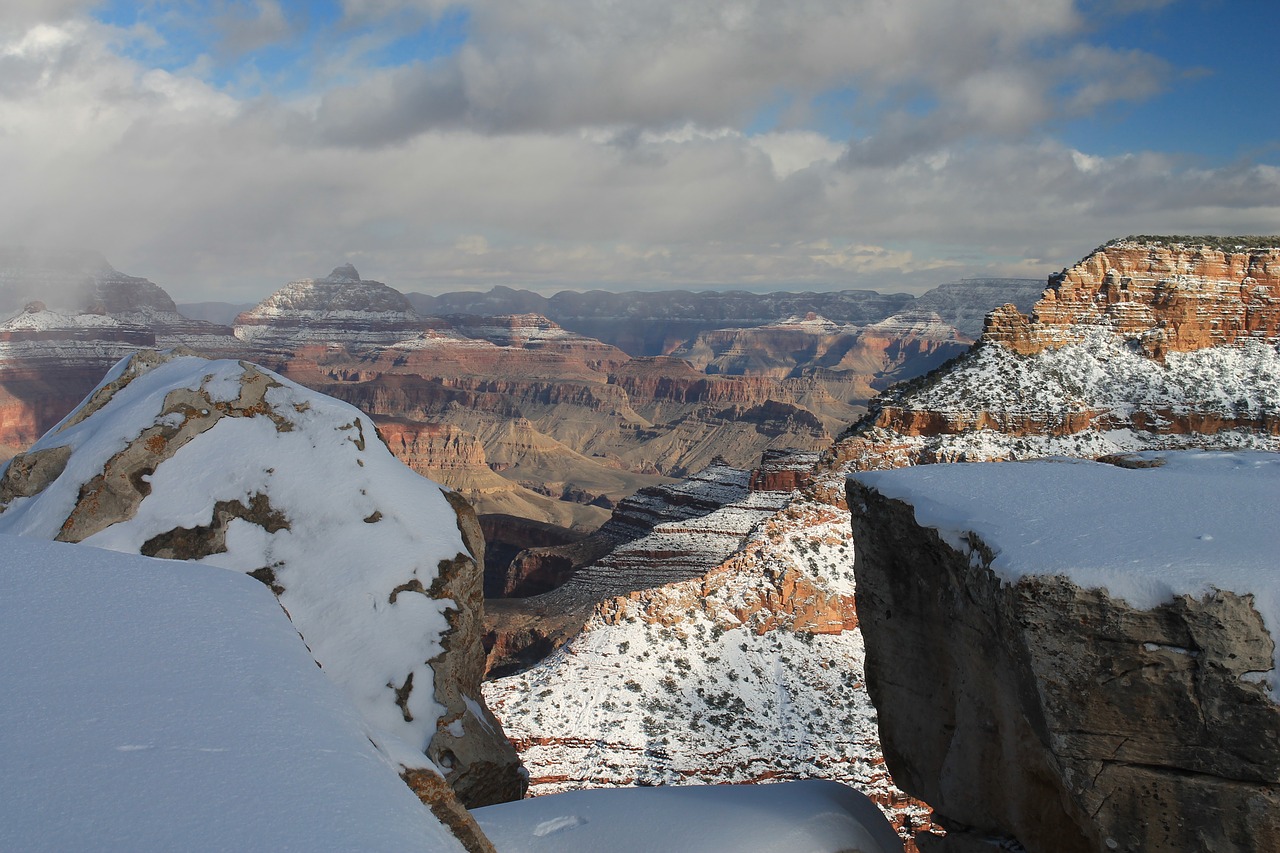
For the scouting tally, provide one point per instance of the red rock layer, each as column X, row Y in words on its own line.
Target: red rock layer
column 1169, row 298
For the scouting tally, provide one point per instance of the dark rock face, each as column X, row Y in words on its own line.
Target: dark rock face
column 505, row 537
column 1058, row 715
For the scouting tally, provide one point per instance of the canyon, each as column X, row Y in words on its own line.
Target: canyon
column 706, row 634
column 526, row 417
column 671, row 566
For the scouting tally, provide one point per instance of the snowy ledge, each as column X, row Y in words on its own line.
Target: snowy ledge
column 155, row 705
column 1184, row 523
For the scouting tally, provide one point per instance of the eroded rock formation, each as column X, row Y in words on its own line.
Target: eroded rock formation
column 1165, row 296
column 1153, row 344
column 225, row 463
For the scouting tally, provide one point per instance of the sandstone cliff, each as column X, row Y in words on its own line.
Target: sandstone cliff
column 1143, row 344
column 378, row 568
column 1078, row 656
column 1164, row 295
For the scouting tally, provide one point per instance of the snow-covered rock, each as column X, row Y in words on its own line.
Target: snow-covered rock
column 1139, row 346
column 794, row 817
column 226, row 464
column 721, row 646
column 339, row 308
column 149, row 705
column 1077, row 654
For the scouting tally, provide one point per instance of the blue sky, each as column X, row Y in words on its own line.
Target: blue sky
column 226, row 146
column 1220, row 103
column 289, row 60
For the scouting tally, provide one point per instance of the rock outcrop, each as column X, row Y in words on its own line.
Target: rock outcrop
column 230, row 465
column 1165, row 295
column 341, row 307
column 1155, row 344
column 1049, row 673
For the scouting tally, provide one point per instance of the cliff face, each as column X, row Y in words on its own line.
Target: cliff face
column 1042, row 676
column 1139, row 345
column 317, row 509
column 846, row 361
column 1165, row 298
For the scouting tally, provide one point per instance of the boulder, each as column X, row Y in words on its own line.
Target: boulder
column 227, row 464
column 1077, row 655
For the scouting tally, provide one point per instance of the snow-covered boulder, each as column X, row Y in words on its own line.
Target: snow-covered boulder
column 1078, row 654
column 813, row 816
column 150, row 706
column 227, row 464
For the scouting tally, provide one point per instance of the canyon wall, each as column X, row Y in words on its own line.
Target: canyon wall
column 1154, row 344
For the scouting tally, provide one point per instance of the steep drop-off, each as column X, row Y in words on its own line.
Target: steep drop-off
column 1079, row 656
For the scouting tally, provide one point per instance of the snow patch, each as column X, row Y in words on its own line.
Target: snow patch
column 1199, row 522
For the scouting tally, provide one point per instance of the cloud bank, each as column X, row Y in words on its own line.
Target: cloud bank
column 580, row 143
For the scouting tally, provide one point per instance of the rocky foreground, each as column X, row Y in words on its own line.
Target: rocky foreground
column 378, row 568
column 1091, row 647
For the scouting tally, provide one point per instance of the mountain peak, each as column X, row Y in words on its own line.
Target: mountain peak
column 346, row 272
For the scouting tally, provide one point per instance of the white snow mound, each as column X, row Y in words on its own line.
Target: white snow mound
column 811, row 816
column 1199, row 522
column 359, row 524
column 154, row 705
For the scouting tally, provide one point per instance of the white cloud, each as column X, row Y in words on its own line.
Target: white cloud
column 567, row 145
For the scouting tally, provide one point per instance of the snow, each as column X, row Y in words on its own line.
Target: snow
column 702, row 682
column 794, row 817
column 153, row 705
column 1201, row 521
column 327, row 474
column 1104, row 373
column 43, row 321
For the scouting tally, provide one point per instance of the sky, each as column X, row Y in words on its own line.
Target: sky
column 224, row 147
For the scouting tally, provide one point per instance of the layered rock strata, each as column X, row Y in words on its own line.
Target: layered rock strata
column 69, row 317
column 1046, row 676
column 341, row 307
column 1141, row 345
column 1165, row 296
column 378, row 568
